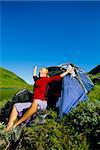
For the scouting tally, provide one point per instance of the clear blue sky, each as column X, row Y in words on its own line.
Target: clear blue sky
column 48, row 34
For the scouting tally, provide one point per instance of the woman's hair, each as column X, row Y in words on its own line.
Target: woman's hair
column 46, row 70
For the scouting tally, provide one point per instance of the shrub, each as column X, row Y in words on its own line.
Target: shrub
column 53, row 135
column 85, row 120
column 79, row 130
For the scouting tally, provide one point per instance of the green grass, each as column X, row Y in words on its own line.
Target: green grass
column 95, row 93
column 94, row 76
column 6, row 95
column 10, row 84
column 9, row 79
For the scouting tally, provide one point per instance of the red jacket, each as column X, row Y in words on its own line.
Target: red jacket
column 40, row 86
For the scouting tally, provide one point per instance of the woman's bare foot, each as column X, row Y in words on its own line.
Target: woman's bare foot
column 9, row 127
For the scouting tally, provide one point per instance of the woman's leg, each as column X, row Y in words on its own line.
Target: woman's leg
column 17, row 108
column 29, row 113
column 12, row 118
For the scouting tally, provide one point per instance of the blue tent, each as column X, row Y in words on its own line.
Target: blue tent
column 73, row 88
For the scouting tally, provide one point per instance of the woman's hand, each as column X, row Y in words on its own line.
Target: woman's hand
column 35, row 68
column 34, row 72
column 71, row 70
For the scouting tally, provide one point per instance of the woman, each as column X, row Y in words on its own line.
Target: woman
column 39, row 98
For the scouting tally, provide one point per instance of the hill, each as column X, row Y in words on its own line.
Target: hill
column 95, row 70
column 10, row 84
column 95, row 74
column 9, row 79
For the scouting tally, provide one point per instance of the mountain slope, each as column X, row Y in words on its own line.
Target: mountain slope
column 95, row 70
column 10, row 80
column 95, row 74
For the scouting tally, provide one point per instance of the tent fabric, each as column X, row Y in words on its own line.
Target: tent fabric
column 74, row 88
column 85, row 79
column 73, row 91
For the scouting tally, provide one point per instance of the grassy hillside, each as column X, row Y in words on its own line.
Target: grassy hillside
column 10, row 83
column 10, row 80
column 95, row 70
column 94, row 74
